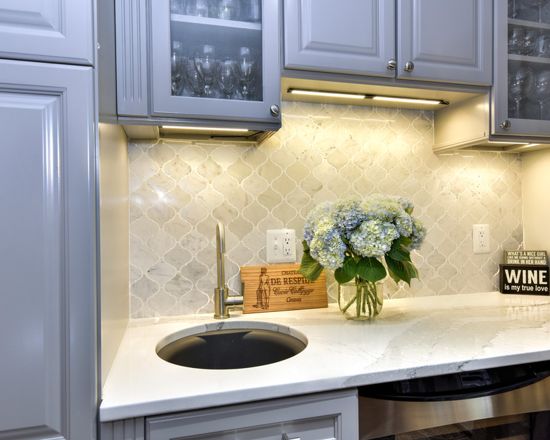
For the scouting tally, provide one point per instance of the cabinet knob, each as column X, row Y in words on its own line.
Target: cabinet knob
column 506, row 124
column 392, row 64
column 275, row 110
column 409, row 66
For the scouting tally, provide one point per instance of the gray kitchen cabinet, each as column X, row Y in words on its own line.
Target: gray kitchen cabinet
column 47, row 30
column 434, row 40
column 347, row 36
column 177, row 64
column 326, row 416
column 445, row 40
column 47, row 251
column 520, row 99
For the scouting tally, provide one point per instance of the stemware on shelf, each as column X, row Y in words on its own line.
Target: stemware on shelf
column 529, row 42
column 227, row 78
column 542, row 48
column 228, row 9
column 246, row 69
column 542, row 91
column 515, row 40
column 192, row 78
column 251, row 10
column 178, row 68
column 206, row 66
column 520, row 86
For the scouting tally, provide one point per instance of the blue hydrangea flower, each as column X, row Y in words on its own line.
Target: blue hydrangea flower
column 373, row 238
column 404, row 224
column 418, row 234
column 348, row 215
column 327, row 246
column 317, row 214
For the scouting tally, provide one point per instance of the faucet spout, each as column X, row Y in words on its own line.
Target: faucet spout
column 222, row 300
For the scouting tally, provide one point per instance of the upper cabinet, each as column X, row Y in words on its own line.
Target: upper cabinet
column 435, row 40
column 347, row 36
column 445, row 40
column 521, row 93
column 199, row 61
column 53, row 30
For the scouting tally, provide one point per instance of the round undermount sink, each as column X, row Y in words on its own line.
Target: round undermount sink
column 231, row 345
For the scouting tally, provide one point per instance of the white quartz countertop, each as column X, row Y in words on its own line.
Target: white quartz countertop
column 412, row 337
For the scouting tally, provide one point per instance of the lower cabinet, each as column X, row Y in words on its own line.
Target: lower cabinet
column 327, row 416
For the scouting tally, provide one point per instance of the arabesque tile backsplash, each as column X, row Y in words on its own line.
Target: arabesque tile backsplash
column 178, row 190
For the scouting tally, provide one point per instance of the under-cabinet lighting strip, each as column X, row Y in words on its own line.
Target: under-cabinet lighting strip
column 190, row 128
column 359, row 96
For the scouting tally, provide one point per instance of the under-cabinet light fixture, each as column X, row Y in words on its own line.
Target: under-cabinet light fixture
column 409, row 100
column 362, row 96
column 342, row 95
column 214, row 129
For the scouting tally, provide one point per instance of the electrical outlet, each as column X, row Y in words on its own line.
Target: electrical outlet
column 481, row 239
column 281, row 246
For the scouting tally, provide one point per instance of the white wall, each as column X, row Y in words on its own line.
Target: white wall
column 114, row 221
column 536, row 200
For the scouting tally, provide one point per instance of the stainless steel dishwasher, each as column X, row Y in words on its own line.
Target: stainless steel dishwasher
column 505, row 403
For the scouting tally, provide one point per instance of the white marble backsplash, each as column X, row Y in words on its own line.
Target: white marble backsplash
column 178, row 190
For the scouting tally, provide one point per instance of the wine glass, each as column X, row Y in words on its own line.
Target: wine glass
column 193, row 79
column 206, row 66
column 177, row 68
column 542, row 90
column 521, row 84
column 543, row 45
column 246, row 69
column 227, row 78
column 529, row 42
column 515, row 40
column 228, row 9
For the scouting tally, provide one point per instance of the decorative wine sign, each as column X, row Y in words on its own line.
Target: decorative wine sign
column 277, row 287
column 524, row 279
column 526, row 257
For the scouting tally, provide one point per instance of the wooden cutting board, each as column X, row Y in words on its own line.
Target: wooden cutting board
column 277, row 287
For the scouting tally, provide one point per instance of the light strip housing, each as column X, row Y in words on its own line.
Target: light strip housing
column 214, row 129
column 342, row 95
column 362, row 96
column 408, row 100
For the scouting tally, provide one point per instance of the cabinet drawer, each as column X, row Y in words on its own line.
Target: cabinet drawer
column 329, row 416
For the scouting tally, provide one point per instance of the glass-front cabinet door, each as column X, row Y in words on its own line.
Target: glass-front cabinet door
column 216, row 59
column 521, row 104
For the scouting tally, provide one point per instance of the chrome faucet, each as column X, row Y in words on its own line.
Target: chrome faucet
column 222, row 300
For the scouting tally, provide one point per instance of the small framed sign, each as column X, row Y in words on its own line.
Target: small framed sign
column 526, row 257
column 276, row 287
column 524, row 279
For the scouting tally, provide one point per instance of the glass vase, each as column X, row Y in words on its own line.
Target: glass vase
column 360, row 300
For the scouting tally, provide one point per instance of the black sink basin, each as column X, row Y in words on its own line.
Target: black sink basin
column 231, row 348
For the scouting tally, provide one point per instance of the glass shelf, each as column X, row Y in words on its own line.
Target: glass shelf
column 529, row 59
column 530, row 24
column 207, row 21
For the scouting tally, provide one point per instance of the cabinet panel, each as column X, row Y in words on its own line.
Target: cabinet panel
column 520, row 97
column 446, row 40
column 47, row 30
column 190, row 52
column 47, row 260
column 329, row 416
column 348, row 36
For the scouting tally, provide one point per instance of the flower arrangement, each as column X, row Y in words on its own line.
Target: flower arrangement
column 362, row 241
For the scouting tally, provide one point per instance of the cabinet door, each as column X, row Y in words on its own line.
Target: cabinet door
column 215, row 63
column 445, row 40
column 47, row 30
column 47, row 252
column 345, row 36
column 520, row 95
column 329, row 416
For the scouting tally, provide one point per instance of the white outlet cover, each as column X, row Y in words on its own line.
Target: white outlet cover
column 481, row 239
column 281, row 246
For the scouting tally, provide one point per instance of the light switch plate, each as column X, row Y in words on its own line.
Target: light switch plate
column 281, row 246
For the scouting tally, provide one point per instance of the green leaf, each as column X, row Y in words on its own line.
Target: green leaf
column 309, row 267
column 347, row 272
column 399, row 252
column 401, row 270
column 305, row 246
column 370, row 269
